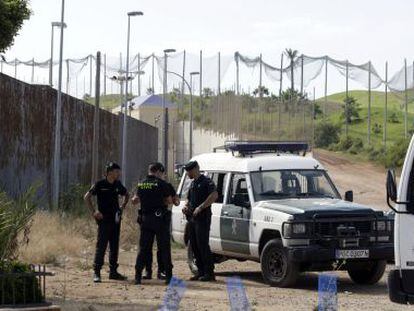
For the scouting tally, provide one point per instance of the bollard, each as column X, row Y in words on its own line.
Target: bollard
column 237, row 294
column 327, row 292
column 173, row 295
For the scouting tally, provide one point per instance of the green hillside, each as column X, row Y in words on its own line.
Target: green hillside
column 395, row 122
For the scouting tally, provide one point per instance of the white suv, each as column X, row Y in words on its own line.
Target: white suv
column 281, row 209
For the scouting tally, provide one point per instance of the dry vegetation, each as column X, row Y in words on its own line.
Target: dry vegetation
column 53, row 238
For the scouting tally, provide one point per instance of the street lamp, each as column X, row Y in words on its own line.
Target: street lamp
column 125, row 128
column 190, row 88
column 194, row 73
column 54, row 24
column 164, row 111
column 58, row 125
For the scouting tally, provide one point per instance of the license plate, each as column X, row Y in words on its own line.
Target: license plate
column 351, row 253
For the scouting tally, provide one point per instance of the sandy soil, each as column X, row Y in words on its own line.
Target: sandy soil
column 73, row 289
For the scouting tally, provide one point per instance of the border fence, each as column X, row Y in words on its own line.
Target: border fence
column 272, row 112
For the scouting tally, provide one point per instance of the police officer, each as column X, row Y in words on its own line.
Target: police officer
column 154, row 195
column 201, row 195
column 148, row 267
column 108, row 218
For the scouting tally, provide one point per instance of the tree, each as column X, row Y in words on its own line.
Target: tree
column 292, row 55
column 207, row 92
column 351, row 109
column 261, row 90
column 12, row 15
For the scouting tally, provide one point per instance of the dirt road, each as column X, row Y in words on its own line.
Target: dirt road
column 79, row 293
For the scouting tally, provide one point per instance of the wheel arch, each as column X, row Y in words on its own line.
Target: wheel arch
column 266, row 236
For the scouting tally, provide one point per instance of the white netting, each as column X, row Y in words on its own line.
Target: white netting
column 248, row 71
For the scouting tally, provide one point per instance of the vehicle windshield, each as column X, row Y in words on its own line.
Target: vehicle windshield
column 284, row 184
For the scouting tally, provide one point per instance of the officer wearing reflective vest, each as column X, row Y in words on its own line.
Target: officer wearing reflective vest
column 201, row 195
column 161, row 270
column 154, row 195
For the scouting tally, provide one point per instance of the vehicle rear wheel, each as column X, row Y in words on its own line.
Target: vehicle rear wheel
column 191, row 260
column 369, row 273
column 276, row 268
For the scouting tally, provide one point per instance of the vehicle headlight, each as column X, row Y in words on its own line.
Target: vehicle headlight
column 389, row 225
column 299, row 228
column 292, row 229
column 381, row 226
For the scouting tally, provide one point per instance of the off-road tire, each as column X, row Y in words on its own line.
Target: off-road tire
column 368, row 274
column 277, row 270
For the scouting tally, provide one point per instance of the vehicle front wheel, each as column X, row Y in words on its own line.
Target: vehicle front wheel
column 276, row 268
column 369, row 273
column 191, row 260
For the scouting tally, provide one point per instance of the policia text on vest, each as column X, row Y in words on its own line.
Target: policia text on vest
column 154, row 196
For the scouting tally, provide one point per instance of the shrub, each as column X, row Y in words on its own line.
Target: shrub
column 326, row 134
column 357, row 146
column 377, row 129
column 71, row 201
column 393, row 118
column 15, row 216
column 396, row 153
column 19, row 289
column 344, row 143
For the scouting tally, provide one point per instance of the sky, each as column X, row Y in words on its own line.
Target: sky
column 365, row 30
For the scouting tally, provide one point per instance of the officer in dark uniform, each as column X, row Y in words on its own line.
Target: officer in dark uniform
column 108, row 218
column 154, row 195
column 161, row 271
column 201, row 195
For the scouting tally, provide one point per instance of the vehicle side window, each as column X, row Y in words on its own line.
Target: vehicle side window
column 219, row 180
column 238, row 193
column 185, row 187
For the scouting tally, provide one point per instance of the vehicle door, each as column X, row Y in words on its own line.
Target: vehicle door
column 235, row 216
column 220, row 179
column 179, row 221
column 404, row 224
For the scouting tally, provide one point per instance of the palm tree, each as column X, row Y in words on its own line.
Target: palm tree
column 292, row 55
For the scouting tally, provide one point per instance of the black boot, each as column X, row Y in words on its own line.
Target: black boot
column 115, row 275
column 161, row 275
column 208, row 278
column 97, row 276
column 138, row 277
column 147, row 275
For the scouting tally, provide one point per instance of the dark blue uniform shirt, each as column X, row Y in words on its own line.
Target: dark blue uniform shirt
column 107, row 196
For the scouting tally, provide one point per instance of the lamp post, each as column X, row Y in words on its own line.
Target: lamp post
column 125, row 127
column 194, row 73
column 58, row 125
column 164, row 111
column 190, row 88
column 54, row 24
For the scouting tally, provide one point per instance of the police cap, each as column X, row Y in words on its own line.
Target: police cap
column 190, row 165
column 111, row 166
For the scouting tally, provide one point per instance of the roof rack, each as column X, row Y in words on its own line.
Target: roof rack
column 245, row 147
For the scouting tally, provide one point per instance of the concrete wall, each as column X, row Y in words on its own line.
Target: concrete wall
column 27, row 121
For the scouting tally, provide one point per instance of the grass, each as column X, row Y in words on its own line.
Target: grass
column 360, row 128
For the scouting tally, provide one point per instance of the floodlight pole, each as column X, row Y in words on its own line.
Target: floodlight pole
column 165, row 112
column 54, row 24
column 125, row 127
column 58, row 124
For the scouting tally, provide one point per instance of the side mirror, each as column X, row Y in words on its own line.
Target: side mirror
column 391, row 186
column 349, row 196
